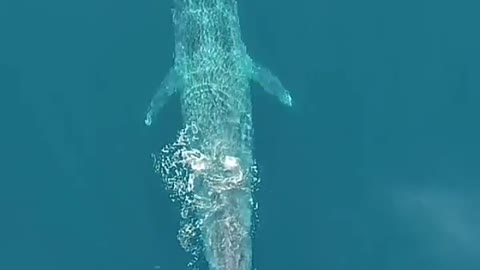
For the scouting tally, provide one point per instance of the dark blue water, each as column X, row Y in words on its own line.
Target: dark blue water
column 377, row 166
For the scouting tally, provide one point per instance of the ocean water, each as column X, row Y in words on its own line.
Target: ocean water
column 375, row 167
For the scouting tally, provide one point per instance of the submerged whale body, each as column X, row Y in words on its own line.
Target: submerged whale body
column 210, row 170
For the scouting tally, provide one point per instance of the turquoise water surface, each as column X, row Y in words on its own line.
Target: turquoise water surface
column 375, row 167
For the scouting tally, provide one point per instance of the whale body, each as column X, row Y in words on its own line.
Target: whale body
column 210, row 169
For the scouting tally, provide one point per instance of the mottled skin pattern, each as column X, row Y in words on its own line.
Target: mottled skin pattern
column 214, row 69
column 210, row 169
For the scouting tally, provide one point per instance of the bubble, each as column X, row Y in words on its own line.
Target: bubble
column 231, row 163
column 193, row 178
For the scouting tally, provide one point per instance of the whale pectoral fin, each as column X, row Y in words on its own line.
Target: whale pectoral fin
column 271, row 84
column 167, row 87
